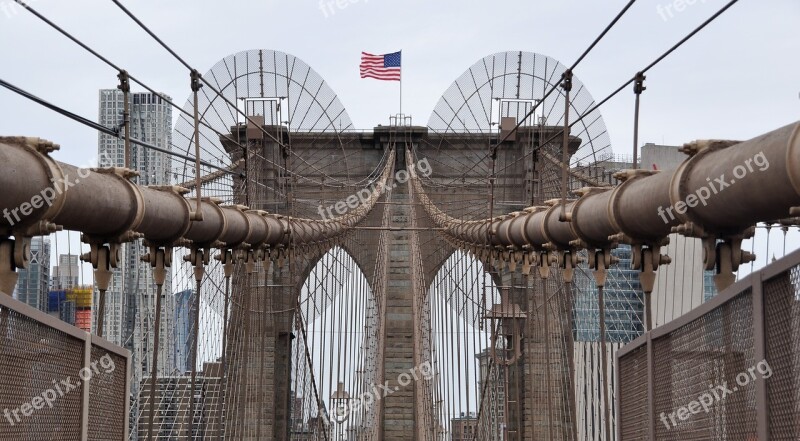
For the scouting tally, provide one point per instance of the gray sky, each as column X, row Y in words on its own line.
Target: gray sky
column 735, row 80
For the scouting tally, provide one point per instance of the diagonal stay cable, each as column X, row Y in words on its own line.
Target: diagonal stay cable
column 632, row 79
column 118, row 68
column 191, row 69
column 571, row 68
column 100, row 128
column 555, row 86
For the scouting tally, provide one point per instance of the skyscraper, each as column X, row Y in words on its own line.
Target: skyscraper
column 33, row 284
column 67, row 273
column 184, row 306
column 130, row 299
column 624, row 306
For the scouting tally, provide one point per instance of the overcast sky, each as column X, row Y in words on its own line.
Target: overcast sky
column 736, row 79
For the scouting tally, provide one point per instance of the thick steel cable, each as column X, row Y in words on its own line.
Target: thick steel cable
column 307, row 371
column 351, row 319
column 125, row 86
column 198, row 214
column 101, row 308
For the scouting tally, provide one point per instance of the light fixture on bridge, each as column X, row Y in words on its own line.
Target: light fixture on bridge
column 508, row 322
column 340, row 402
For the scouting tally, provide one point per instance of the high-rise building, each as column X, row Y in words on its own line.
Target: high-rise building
column 129, row 318
column 67, row 273
column 622, row 299
column 33, row 284
column 66, row 312
column 184, row 307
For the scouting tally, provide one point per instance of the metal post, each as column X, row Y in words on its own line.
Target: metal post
column 87, row 360
column 103, row 258
column 159, row 261
column 760, row 353
column 651, row 390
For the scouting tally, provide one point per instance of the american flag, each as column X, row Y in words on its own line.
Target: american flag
column 381, row 67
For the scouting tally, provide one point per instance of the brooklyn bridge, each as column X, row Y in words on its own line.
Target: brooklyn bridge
column 495, row 272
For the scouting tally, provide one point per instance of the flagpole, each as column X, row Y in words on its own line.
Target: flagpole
column 401, row 82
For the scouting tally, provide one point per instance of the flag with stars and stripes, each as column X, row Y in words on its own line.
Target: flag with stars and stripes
column 381, row 67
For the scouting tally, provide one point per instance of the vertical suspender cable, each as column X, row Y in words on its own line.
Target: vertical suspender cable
column 228, row 268
column 198, row 273
column 548, row 382
column 159, row 274
column 604, row 361
column 638, row 88
column 569, row 343
column 566, row 84
column 196, row 85
column 125, row 87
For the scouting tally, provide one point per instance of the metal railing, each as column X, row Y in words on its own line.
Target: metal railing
column 57, row 381
column 727, row 370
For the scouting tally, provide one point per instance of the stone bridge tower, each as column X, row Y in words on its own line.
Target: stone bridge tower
column 299, row 156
